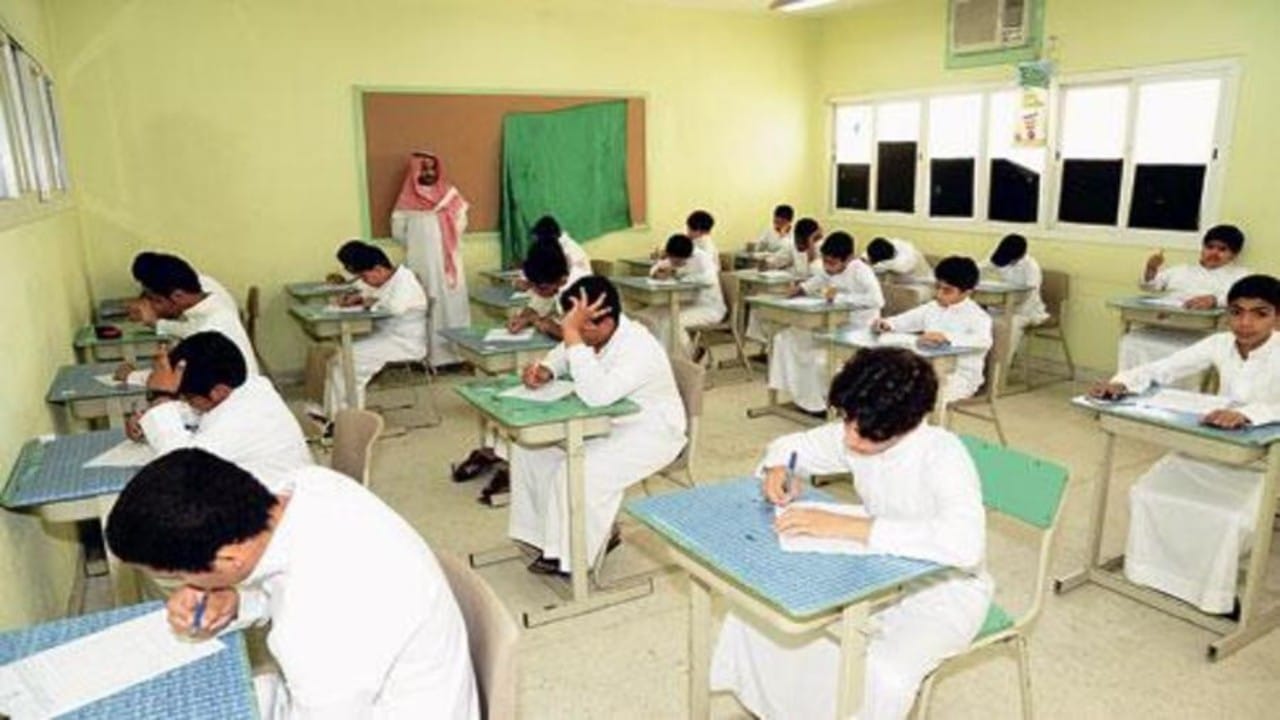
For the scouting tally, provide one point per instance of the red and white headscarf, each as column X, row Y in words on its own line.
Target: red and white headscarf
column 440, row 197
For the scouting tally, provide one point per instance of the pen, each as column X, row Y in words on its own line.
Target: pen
column 791, row 473
column 199, row 616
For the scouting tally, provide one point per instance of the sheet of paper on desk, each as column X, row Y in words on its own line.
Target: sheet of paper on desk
column 663, row 282
column 501, row 335
column 897, row 339
column 830, row 546
column 1183, row 401
column 521, row 295
column 110, row 381
column 334, row 307
column 776, row 274
column 126, row 454
column 803, row 301
column 74, row 674
column 551, row 392
column 1169, row 301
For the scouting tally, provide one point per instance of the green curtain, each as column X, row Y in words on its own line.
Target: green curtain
column 571, row 164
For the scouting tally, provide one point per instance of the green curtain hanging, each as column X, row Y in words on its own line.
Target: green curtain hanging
column 568, row 163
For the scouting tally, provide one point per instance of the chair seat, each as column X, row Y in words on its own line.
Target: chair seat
column 997, row 620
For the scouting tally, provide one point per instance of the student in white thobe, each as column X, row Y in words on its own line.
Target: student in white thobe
column 547, row 229
column 1203, row 285
column 430, row 217
column 778, row 240
column 921, row 490
column 687, row 262
column 898, row 261
column 609, row 358
column 1013, row 265
column 798, row 362
column 1191, row 519
column 401, row 337
column 144, row 264
column 363, row 622
column 804, row 262
column 951, row 317
column 698, row 227
column 239, row 417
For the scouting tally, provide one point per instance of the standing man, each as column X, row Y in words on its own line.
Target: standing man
column 430, row 216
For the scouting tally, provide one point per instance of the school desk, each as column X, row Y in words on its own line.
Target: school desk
column 502, row 278
column 567, row 423
column 136, row 340
column 318, row 292
column 216, row 686
column 500, row 302
column 649, row 292
column 323, row 322
column 722, row 535
column 112, row 309
column 495, row 358
column 80, row 396
column 755, row 282
column 1148, row 310
column 637, row 265
column 1182, row 432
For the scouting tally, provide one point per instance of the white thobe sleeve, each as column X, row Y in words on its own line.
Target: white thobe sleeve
column 396, row 298
column 599, row 385
column 556, row 361
column 911, row 321
column 542, row 306
column 818, row 451
column 955, row 534
column 1183, row 363
column 901, row 263
column 399, row 226
column 177, row 328
column 974, row 330
column 662, row 264
column 165, row 426
column 815, row 283
column 1261, row 413
column 867, row 292
column 254, row 609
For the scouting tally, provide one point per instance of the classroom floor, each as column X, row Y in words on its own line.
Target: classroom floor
column 1094, row 654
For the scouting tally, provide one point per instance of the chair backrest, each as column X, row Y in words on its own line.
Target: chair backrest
column 690, row 380
column 726, row 261
column 1055, row 288
column 730, row 288
column 354, row 432
column 1001, row 336
column 251, row 312
column 603, row 268
column 492, row 635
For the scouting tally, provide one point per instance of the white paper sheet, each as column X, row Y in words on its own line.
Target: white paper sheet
column 897, row 339
column 1183, row 401
column 776, row 274
column 72, row 675
column 126, row 454
column 110, row 381
column 551, row 392
column 501, row 335
column 805, row 301
column 662, row 282
column 521, row 295
column 831, row 546
column 1170, row 301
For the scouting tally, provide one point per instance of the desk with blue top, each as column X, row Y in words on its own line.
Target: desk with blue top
column 324, row 322
column 1183, row 433
column 723, row 536
column 500, row 301
column 652, row 292
column 135, row 340
column 76, row 389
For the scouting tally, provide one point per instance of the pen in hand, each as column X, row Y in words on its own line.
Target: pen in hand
column 789, row 486
column 199, row 614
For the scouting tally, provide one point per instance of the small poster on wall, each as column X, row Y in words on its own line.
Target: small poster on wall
column 1031, row 129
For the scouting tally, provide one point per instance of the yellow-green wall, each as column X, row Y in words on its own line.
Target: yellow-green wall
column 899, row 46
column 44, row 297
column 225, row 130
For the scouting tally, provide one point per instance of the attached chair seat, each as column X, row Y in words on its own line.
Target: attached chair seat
column 997, row 621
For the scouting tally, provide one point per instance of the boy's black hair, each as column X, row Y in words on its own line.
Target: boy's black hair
column 680, row 246
column 166, row 274
column 1256, row 287
column 546, row 228
column 545, row 263
column 957, row 271
column 595, row 285
column 180, row 509
column 358, row 256
column 803, row 230
column 886, row 391
column 879, row 250
column 700, row 221
column 1012, row 248
column 1229, row 235
column 838, row 245
column 786, row 212
column 143, row 266
column 212, row 360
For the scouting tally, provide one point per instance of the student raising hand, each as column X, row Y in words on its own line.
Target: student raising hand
column 1153, row 266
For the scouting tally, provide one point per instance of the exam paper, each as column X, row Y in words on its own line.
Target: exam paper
column 826, row 545
column 1183, row 401
column 110, row 381
column 805, row 301
column 1170, row 301
column 126, row 454
column 897, row 339
column 776, row 274
column 74, row 674
column 501, row 335
column 551, row 392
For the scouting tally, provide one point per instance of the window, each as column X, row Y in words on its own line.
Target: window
column 1173, row 144
column 30, row 137
column 955, row 131
column 1092, row 152
column 897, row 131
column 1013, row 193
column 853, row 157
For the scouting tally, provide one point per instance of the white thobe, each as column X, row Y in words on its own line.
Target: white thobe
column 707, row 244
column 363, row 622
column 252, row 428
column 707, row 307
column 1191, row 519
column 550, row 306
column 419, row 230
column 798, row 362
column 401, row 337
column 577, row 257
column 211, row 314
column 965, row 324
column 778, row 245
column 218, row 290
column 908, row 267
column 1147, row 344
column 926, row 501
column 631, row 365
column 1032, row 310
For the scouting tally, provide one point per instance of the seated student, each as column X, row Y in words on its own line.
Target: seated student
column 688, row 262
column 546, row 229
column 1015, row 266
column 1191, row 519
column 1202, row 286
column 141, row 269
column 923, row 499
column 698, row 227
column 175, row 304
column 239, row 417
column 798, row 363
column 363, row 623
column 952, row 317
column 803, row 262
column 609, row 357
column 401, row 337
column 549, row 273
column 777, row 239
column 899, row 259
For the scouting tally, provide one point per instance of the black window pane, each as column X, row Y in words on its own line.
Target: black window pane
column 951, row 187
column 853, row 187
column 1167, row 197
column 1015, row 192
column 1090, row 191
column 896, row 177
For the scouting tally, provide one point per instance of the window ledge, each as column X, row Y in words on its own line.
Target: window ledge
column 30, row 208
column 1170, row 239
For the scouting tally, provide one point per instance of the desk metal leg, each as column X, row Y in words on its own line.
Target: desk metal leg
column 699, row 650
column 673, row 324
column 1097, row 521
column 1253, row 621
column 575, row 457
column 853, row 651
column 349, row 367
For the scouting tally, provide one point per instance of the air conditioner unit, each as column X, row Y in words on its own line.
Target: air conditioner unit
column 986, row 25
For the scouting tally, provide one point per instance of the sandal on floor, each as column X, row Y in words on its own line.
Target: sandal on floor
column 475, row 465
column 499, row 484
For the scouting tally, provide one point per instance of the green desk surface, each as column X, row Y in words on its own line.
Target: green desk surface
column 502, row 275
column 516, row 413
column 131, row 333
column 324, row 313
column 502, row 297
column 1148, row 302
column 647, row 284
column 778, row 277
column 472, row 338
column 813, row 305
column 310, row 289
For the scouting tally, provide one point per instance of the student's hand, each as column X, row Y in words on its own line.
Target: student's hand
column 143, row 311
column 1226, row 419
column 776, row 489
column 516, row 323
column 133, row 308
column 122, row 371
column 933, row 339
column 581, row 312
column 520, row 283
column 133, row 427
column 164, row 377
column 1201, row 302
column 1153, row 266
column 820, row 523
column 547, row 325
column 335, row 279
column 535, row 375
column 221, row 607
column 662, row 272
column 350, row 300
column 880, row 325
column 1108, row 391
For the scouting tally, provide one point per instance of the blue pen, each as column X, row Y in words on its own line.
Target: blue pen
column 791, row 473
column 200, row 605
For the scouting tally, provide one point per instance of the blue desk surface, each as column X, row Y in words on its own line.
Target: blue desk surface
column 76, row 382
column 310, row 289
column 472, row 338
column 863, row 338
column 729, row 526
column 1152, row 302
column 503, row 297
column 1130, row 409
column 46, row 473
column 218, row 686
column 131, row 333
